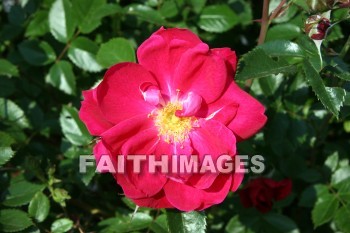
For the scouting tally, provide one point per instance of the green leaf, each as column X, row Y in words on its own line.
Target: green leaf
column 235, row 226
column 331, row 97
column 12, row 220
column 61, row 225
column 324, row 209
column 11, row 114
column 6, row 139
column 275, row 223
column 257, row 64
column 310, row 194
column 160, row 225
column 340, row 175
column 21, row 191
column 169, row 9
column 72, row 127
column 37, row 53
column 128, row 223
column 146, row 13
column 39, row 207
column 62, row 77
column 115, row 51
column 341, row 218
column 6, row 153
column 217, row 18
column 283, row 32
column 282, row 48
column 186, row 222
column 39, row 25
column 332, row 161
column 82, row 53
column 61, row 20
column 197, row 5
column 344, row 76
column 7, row 68
column 89, row 13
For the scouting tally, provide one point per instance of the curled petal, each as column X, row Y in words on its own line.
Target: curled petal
column 151, row 94
column 190, row 105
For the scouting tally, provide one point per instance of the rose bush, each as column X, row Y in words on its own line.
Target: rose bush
column 180, row 99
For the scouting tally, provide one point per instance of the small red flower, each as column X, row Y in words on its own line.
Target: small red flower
column 180, row 99
column 262, row 192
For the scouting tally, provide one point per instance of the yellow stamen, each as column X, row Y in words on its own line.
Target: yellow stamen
column 170, row 126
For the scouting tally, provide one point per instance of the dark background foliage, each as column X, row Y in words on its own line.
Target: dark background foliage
column 51, row 50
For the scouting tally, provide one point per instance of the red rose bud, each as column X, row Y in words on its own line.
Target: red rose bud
column 260, row 193
column 316, row 27
column 320, row 5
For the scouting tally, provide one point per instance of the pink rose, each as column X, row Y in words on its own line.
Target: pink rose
column 262, row 192
column 180, row 99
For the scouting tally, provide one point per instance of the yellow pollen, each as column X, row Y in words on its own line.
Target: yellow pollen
column 170, row 126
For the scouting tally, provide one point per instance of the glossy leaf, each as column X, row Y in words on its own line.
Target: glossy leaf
column 61, row 225
column 39, row 207
column 82, row 53
column 37, row 53
column 7, row 68
column 186, row 222
column 72, row 127
column 62, row 21
column 257, row 64
column 115, row 51
column 13, row 220
column 331, row 97
column 217, row 18
column 62, row 77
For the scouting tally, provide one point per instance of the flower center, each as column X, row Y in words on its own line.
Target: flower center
column 170, row 126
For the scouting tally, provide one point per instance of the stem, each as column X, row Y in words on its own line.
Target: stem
column 264, row 22
column 67, row 46
column 263, row 30
column 345, row 49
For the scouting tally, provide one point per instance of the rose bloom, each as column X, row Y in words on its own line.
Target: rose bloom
column 180, row 99
column 262, row 192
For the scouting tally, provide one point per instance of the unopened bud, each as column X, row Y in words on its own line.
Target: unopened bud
column 316, row 27
column 320, row 5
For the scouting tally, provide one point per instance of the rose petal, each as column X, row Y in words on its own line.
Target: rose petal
column 115, row 137
column 207, row 75
column 161, row 53
column 197, row 199
column 214, row 139
column 143, row 143
column 91, row 114
column 119, row 96
column 249, row 118
column 156, row 201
